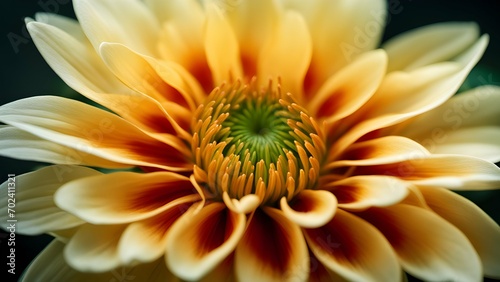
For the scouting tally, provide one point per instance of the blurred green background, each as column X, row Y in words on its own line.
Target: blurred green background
column 25, row 74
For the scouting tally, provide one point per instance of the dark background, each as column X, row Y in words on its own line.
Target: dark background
column 24, row 73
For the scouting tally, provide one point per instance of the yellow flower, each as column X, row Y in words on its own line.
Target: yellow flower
column 274, row 143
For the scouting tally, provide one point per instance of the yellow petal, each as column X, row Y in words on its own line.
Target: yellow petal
column 287, row 54
column 221, row 47
column 362, row 192
column 198, row 242
column 94, row 131
column 430, row 44
column 33, row 196
column 145, row 241
column 341, row 31
column 428, row 246
column 272, row 249
column 353, row 249
column 480, row 229
column 127, row 196
column 346, row 91
column 132, row 24
column 310, row 209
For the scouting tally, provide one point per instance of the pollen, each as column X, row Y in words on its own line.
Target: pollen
column 255, row 141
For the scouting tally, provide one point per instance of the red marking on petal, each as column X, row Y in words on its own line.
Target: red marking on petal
column 347, row 194
column 310, row 80
column 201, row 71
column 214, row 231
column 269, row 241
column 330, row 105
column 384, row 222
column 159, row 123
column 161, row 223
column 156, row 152
column 160, row 194
column 249, row 65
column 301, row 204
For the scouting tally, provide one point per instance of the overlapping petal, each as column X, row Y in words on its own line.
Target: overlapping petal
column 199, row 241
column 32, row 198
column 428, row 247
column 353, row 249
column 272, row 249
column 124, row 197
column 310, row 208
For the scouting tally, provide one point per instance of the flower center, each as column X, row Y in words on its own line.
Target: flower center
column 249, row 141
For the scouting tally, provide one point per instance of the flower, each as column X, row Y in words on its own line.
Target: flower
column 255, row 140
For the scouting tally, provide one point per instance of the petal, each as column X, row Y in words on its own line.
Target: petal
column 94, row 248
column 132, row 24
column 287, row 54
column 450, row 171
column 145, row 241
column 224, row 62
column 32, row 195
column 19, row 144
column 80, row 67
column 480, row 229
column 346, row 91
column 452, row 121
column 272, row 249
column 198, row 242
column 340, row 30
column 251, row 34
column 127, row 196
column 403, row 95
column 362, row 192
column 310, row 209
column 428, row 247
column 384, row 150
column 94, row 131
column 430, row 44
column 50, row 265
column 145, row 75
column 353, row 249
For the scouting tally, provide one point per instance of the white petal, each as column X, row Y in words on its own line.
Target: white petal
column 130, row 23
column 430, row 44
column 480, row 229
column 32, row 194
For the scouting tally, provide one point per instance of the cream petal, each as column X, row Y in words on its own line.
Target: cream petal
column 68, row 25
column 340, row 30
column 310, row 209
column 451, row 121
column 245, row 205
column 77, row 63
column 50, row 265
column 480, row 229
column 252, row 34
column 145, row 241
column 94, row 248
column 94, row 131
column 384, row 150
column 32, row 195
column 224, row 62
column 19, row 144
column 132, row 24
column 362, row 192
column 430, row 44
column 187, row 11
column 145, row 75
column 272, row 249
column 353, row 249
column 450, row 171
column 198, row 242
column 346, row 91
column 286, row 54
column 428, row 246
column 403, row 95
column 127, row 196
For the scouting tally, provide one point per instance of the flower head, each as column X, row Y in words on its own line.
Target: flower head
column 255, row 141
